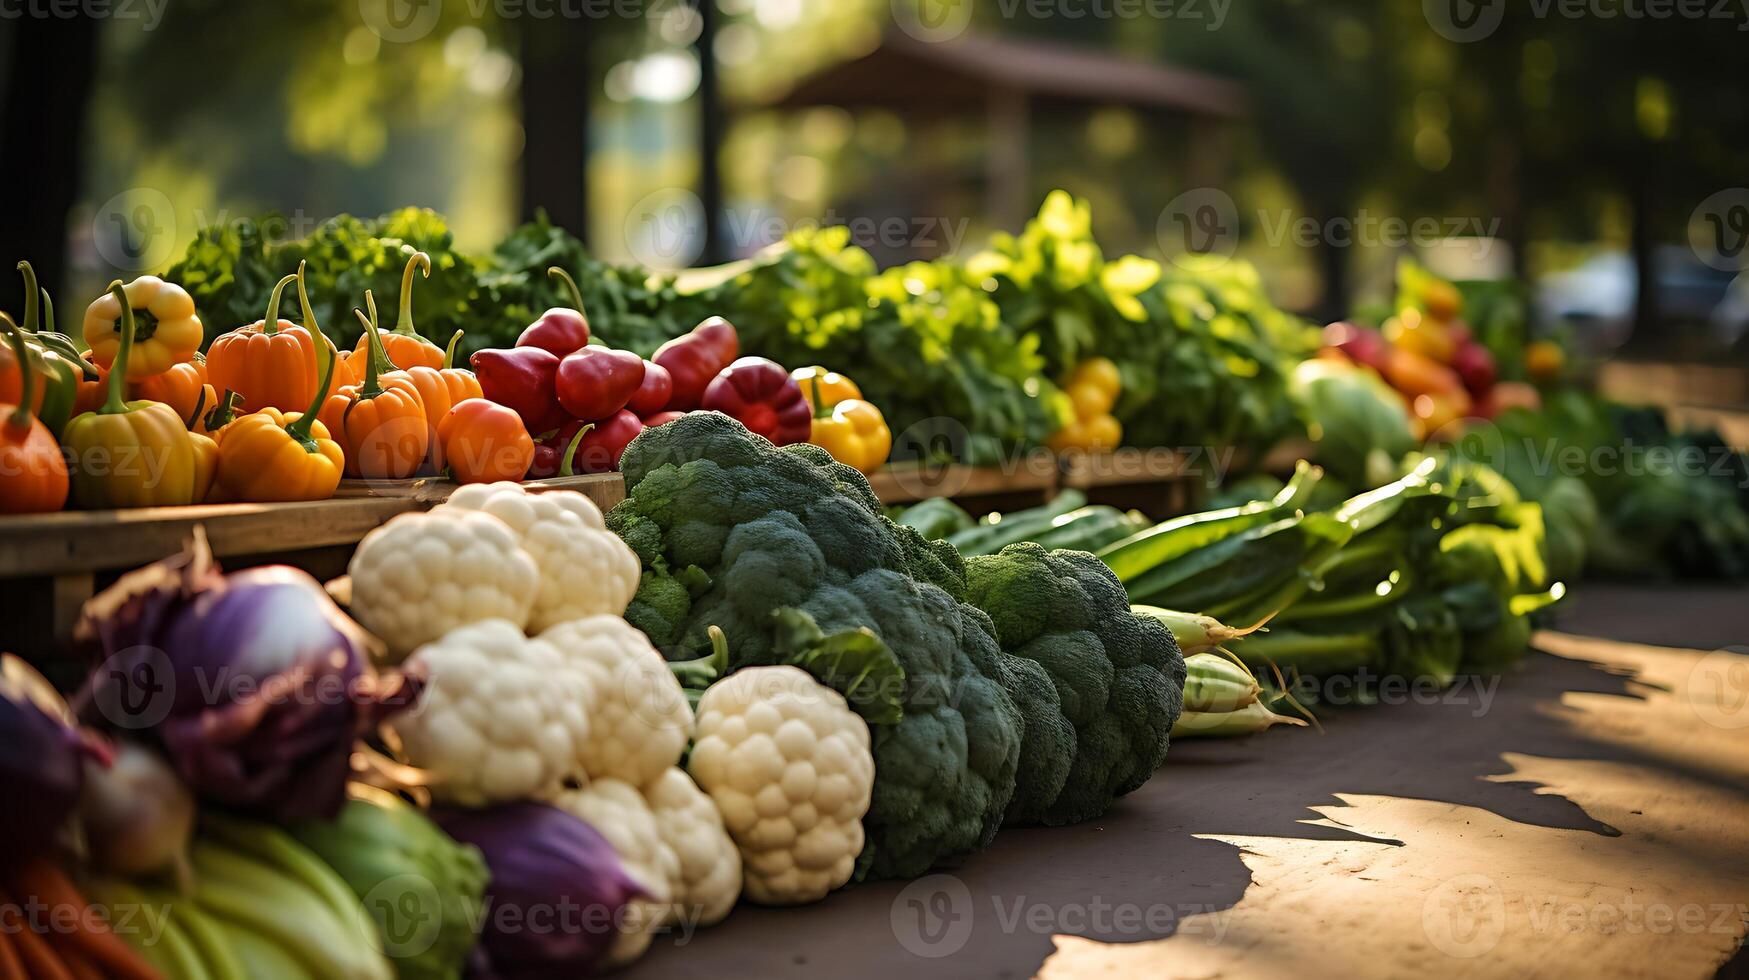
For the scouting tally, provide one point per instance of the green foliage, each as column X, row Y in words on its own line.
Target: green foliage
column 1114, row 679
column 772, row 531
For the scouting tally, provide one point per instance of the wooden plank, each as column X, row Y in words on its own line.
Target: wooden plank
column 1281, row 460
column 87, row 541
column 1650, row 382
column 1086, row 471
column 1732, row 426
column 605, row 489
column 907, row 482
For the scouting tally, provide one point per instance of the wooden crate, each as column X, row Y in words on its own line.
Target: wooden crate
column 605, row 489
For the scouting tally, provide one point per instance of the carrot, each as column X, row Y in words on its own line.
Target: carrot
column 79, row 966
column 92, row 940
column 34, row 955
column 10, row 964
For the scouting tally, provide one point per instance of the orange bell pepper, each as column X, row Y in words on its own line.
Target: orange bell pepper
column 403, row 345
column 183, row 387
column 1422, row 334
column 485, row 441
column 439, row 389
column 1416, row 374
column 272, row 455
column 270, row 363
column 380, row 422
column 33, row 473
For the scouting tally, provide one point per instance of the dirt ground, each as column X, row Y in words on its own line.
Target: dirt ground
column 1587, row 816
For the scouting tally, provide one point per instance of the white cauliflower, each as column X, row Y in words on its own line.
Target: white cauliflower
column 787, row 763
column 708, row 878
column 421, row 575
column 502, row 716
column 585, row 569
column 639, row 720
column 618, row 812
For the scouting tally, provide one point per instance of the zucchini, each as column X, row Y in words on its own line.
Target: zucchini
column 996, row 531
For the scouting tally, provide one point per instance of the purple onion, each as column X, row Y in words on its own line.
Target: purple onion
column 556, row 891
column 255, row 685
column 42, row 769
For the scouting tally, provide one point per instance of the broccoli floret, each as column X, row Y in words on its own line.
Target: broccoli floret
column 772, row 529
column 1115, row 680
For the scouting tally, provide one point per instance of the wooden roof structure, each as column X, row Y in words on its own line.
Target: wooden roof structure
column 904, row 73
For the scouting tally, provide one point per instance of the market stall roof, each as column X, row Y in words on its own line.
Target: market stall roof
column 908, row 74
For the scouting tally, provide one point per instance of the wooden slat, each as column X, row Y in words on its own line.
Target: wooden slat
column 605, row 489
column 1088, row 471
column 1732, row 426
column 87, row 541
column 907, row 482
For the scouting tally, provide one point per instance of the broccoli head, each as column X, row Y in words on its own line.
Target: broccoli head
column 733, row 532
column 1098, row 686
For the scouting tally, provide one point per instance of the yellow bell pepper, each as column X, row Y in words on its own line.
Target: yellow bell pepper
column 170, row 333
column 272, row 455
column 206, row 464
column 129, row 454
column 1093, row 388
column 855, row 433
column 1431, row 338
column 822, row 388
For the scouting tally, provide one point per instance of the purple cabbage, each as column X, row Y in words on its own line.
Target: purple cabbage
column 42, row 767
column 555, row 894
column 255, row 685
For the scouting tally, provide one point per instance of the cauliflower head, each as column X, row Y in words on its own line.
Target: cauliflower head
column 421, row 575
column 618, row 813
column 733, row 531
column 585, row 570
column 503, row 717
column 788, row 764
column 708, row 880
column 639, row 719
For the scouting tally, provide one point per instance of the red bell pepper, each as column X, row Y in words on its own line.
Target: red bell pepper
column 695, row 359
column 596, row 382
column 661, row 418
column 522, row 379
column 760, row 394
column 652, row 396
column 559, row 330
column 585, row 447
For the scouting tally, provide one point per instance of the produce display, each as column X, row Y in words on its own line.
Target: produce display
column 748, row 681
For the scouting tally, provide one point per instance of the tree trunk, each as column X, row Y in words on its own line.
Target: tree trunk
column 556, row 90
column 47, row 88
column 1643, row 241
column 1333, row 304
column 710, row 137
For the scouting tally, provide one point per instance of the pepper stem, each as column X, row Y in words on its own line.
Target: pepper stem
column 116, row 403
column 812, row 390
column 270, row 326
column 224, row 413
column 299, row 431
column 449, row 352
column 571, row 450
column 20, row 417
column 404, row 325
column 570, row 286
column 369, row 388
column 30, row 291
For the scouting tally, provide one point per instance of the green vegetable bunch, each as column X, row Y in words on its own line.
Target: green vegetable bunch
column 738, row 534
column 230, row 270
column 1098, row 686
